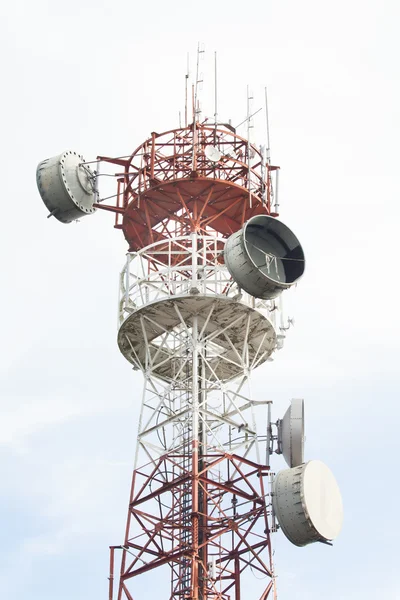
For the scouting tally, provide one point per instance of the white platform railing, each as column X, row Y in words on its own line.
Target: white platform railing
column 182, row 266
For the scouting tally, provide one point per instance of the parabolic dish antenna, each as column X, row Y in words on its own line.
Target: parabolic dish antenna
column 307, row 503
column 264, row 257
column 291, row 434
column 212, row 153
column 66, row 186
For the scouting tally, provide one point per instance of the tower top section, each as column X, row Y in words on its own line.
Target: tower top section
column 202, row 178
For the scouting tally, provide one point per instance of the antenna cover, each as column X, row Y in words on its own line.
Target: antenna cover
column 212, row 154
column 307, row 503
column 264, row 257
column 66, row 186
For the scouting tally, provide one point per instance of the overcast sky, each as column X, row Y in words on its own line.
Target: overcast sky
column 97, row 77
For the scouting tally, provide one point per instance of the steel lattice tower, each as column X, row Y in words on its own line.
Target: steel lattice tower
column 199, row 500
column 197, row 208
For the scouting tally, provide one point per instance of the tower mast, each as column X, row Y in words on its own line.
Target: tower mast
column 199, row 501
column 197, row 314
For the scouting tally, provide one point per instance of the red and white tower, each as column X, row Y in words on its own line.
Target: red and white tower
column 198, row 313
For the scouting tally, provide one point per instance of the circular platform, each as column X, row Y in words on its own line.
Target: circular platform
column 233, row 336
column 220, row 204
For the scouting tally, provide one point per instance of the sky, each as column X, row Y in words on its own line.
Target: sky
column 97, row 78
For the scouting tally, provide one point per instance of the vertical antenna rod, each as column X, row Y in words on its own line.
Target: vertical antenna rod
column 186, row 90
column 248, row 147
column 215, row 91
column 197, row 78
column 196, row 101
column 194, row 161
column 267, row 121
column 273, row 192
column 196, row 110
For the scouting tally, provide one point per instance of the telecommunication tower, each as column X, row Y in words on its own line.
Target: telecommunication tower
column 199, row 310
